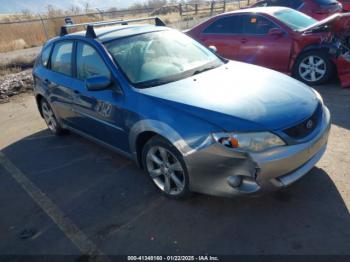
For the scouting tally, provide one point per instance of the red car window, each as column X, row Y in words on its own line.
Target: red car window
column 257, row 25
column 225, row 25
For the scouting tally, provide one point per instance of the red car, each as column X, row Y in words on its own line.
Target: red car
column 282, row 39
column 318, row 9
column 346, row 5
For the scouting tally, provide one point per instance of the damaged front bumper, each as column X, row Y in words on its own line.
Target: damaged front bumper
column 342, row 64
column 211, row 168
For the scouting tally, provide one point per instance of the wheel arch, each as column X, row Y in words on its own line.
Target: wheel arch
column 325, row 48
column 38, row 99
column 144, row 130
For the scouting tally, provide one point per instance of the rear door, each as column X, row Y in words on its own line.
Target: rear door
column 59, row 80
column 260, row 48
column 97, row 113
column 224, row 33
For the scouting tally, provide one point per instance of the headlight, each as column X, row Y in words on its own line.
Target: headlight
column 255, row 142
column 319, row 97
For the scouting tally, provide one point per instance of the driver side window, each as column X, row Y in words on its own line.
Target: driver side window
column 257, row 25
column 89, row 63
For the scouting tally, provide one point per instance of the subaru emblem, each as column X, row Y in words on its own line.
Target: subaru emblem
column 309, row 124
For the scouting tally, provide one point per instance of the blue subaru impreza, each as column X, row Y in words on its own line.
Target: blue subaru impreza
column 193, row 120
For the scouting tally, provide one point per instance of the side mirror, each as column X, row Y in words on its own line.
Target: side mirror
column 276, row 32
column 213, row 48
column 96, row 83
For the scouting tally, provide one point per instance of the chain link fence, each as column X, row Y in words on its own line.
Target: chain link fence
column 22, row 34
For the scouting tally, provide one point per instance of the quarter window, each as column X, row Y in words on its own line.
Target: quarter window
column 45, row 55
column 61, row 60
column 225, row 25
column 257, row 25
column 89, row 63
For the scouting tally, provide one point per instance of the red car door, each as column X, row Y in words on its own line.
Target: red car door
column 225, row 34
column 264, row 43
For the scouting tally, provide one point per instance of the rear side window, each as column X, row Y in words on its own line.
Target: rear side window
column 286, row 3
column 325, row 2
column 257, row 25
column 89, row 63
column 45, row 55
column 225, row 25
column 61, row 60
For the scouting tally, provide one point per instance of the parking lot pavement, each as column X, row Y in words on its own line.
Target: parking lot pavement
column 63, row 195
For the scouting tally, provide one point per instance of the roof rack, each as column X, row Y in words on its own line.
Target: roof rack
column 90, row 32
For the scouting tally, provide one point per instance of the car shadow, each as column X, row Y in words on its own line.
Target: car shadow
column 116, row 206
column 337, row 99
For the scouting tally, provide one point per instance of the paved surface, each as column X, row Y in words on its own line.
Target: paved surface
column 66, row 195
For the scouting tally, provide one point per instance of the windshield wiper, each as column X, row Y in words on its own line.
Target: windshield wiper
column 151, row 83
column 203, row 70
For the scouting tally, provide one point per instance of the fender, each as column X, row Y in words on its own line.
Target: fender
column 331, row 48
column 160, row 128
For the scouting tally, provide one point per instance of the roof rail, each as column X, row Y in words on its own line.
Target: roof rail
column 90, row 32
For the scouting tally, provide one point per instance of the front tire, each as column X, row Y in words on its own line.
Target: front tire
column 166, row 167
column 50, row 119
column 313, row 68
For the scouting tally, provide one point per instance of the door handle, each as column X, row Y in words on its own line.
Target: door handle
column 47, row 81
column 243, row 40
column 76, row 92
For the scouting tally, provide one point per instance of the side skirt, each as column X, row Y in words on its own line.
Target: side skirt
column 98, row 141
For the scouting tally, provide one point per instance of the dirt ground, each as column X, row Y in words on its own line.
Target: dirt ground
column 113, row 207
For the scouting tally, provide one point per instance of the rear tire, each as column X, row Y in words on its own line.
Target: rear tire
column 50, row 119
column 166, row 168
column 313, row 67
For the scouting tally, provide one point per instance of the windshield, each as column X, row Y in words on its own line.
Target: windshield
column 294, row 19
column 159, row 57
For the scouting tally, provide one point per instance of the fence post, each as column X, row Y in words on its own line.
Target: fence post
column 101, row 14
column 224, row 6
column 180, row 9
column 44, row 27
column 212, row 7
column 196, row 8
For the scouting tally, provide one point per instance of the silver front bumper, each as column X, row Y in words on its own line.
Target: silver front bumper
column 209, row 168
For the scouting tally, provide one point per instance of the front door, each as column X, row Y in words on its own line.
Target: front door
column 98, row 113
column 260, row 48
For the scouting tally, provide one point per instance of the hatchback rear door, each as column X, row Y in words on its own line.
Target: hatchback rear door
column 58, row 80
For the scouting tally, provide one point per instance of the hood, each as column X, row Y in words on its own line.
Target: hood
column 339, row 24
column 240, row 96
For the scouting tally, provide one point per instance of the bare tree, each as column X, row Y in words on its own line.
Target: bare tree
column 26, row 14
column 86, row 7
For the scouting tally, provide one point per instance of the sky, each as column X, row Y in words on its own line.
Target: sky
column 37, row 6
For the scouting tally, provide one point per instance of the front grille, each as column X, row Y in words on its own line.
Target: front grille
column 305, row 128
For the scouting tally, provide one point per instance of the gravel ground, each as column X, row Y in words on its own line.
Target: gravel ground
column 14, row 84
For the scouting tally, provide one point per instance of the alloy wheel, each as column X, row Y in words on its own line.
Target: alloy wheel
column 49, row 117
column 312, row 68
column 165, row 170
